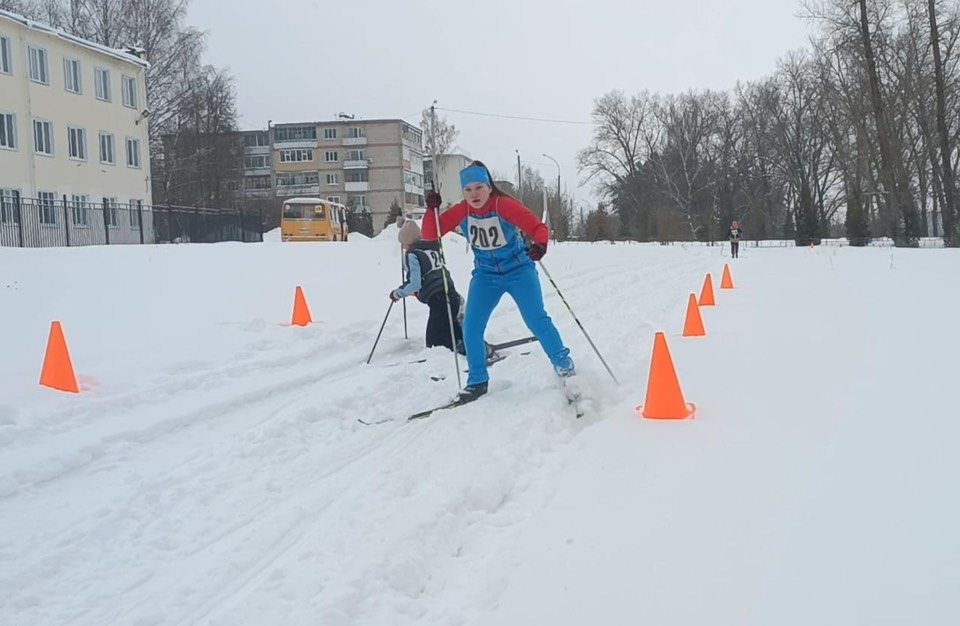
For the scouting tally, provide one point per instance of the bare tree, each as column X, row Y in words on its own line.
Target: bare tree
column 624, row 130
column 685, row 158
column 949, row 209
column 446, row 133
column 202, row 161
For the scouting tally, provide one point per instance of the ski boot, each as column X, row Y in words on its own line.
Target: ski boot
column 471, row 392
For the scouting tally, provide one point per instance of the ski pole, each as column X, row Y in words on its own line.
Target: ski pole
column 584, row 330
column 446, row 295
column 443, row 258
column 402, row 276
column 389, row 308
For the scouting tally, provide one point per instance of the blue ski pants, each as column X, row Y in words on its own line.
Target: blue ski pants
column 523, row 285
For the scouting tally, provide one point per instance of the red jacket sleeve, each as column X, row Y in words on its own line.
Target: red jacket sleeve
column 448, row 221
column 524, row 219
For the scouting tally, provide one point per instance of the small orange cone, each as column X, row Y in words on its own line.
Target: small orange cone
column 727, row 281
column 301, row 312
column 57, row 372
column 706, row 294
column 664, row 397
column 693, row 326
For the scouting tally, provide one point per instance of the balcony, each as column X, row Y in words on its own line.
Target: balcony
column 359, row 186
column 290, row 144
column 356, row 165
column 298, row 190
column 354, row 141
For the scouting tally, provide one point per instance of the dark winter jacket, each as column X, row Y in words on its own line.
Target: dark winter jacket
column 424, row 272
column 735, row 234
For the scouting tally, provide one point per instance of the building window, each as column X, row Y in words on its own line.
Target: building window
column 292, row 179
column 357, row 176
column 39, row 68
column 412, row 178
column 129, row 86
column 294, row 133
column 133, row 153
column 135, row 207
column 107, row 153
column 102, row 79
column 329, row 133
column 47, row 207
column 80, row 207
column 71, row 75
column 6, row 60
column 331, row 157
column 333, row 199
column 256, row 140
column 359, row 201
column 356, row 133
column 357, row 155
column 10, row 206
column 8, row 131
column 333, row 179
column 110, row 212
column 256, row 183
column 43, row 137
column 296, row 156
column 257, row 161
column 78, row 143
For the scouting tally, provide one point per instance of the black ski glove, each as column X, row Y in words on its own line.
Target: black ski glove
column 536, row 251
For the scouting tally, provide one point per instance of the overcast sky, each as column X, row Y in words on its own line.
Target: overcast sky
column 307, row 60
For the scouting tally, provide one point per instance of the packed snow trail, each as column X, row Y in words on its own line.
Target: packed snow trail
column 226, row 469
column 222, row 478
column 812, row 487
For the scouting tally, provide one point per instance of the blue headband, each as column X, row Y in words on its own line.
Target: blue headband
column 474, row 174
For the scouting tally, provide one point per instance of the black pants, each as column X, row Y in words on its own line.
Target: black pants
column 735, row 249
column 438, row 324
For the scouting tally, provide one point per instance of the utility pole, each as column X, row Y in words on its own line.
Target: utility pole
column 519, row 177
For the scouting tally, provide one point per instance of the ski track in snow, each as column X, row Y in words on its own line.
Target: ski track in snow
column 151, row 511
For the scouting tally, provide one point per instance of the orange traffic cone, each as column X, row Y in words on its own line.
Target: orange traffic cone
column 664, row 396
column 727, row 281
column 693, row 326
column 301, row 312
column 57, row 372
column 706, row 294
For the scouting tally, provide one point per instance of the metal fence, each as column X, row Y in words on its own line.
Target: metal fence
column 49, row 222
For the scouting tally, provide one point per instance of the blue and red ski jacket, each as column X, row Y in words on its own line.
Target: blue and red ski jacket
column 493, row 231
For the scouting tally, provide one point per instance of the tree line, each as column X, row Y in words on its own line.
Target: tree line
column 856, row 136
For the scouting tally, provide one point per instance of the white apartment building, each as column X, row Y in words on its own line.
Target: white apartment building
column 74, row 157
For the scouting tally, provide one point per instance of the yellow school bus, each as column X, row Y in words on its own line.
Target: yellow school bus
column 313, row 219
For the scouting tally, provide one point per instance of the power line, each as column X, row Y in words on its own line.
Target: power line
column 516, row 117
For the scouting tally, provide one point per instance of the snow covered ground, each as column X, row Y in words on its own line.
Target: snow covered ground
column 213, row 470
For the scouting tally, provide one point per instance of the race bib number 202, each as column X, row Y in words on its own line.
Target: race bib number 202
column 486, row 233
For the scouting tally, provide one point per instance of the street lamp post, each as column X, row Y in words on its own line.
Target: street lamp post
column 559, row 204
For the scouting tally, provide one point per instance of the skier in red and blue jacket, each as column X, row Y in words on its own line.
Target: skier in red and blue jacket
column 493, row 222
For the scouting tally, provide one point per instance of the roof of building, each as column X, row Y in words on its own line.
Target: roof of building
column 341, row 122
column 120, row 55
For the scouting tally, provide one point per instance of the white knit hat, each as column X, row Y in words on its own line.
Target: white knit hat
column 409, row 233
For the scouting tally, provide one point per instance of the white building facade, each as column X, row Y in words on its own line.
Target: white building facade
column 74, row 143
column 447, row 172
